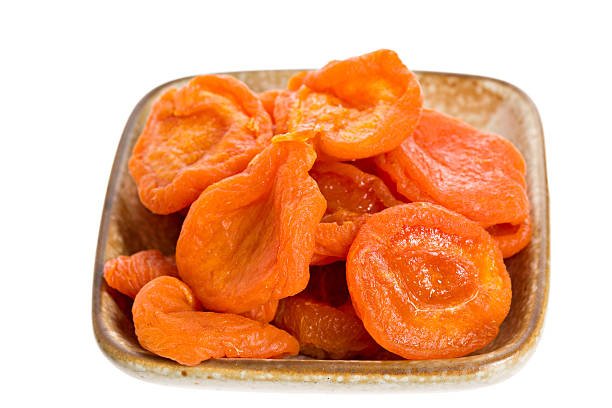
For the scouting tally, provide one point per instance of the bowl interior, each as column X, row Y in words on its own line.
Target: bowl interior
column 128, row 227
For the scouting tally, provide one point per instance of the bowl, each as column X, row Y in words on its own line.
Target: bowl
column 127, row 227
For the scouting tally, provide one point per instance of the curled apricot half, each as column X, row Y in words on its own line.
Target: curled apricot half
column 427, row 282
column 360, row 107
column 248, row 239
column 196, row 135
column 324, row 331
column 351, row 195
column 285, row 101
column 169, row 322
column 128, row 274
column 511, row 238
column 448, row 162
column 268, row 100
column 323, row 320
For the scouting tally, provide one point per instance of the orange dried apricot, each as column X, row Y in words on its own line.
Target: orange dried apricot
column 296, row 81
column 448, row 162
column 323, row 319
column 264, row 313
column 268, row 100
column 347, row 188
column 324, row 331
column 333, row 239
column 169, row 323
column 248, row 239
column 351, row 195
column 511, row 239
column 196, row 135
column 360, row 107
column 128, row 274
column 284, row 102
column 282, row 106
column 389, row 170
column 427, row 282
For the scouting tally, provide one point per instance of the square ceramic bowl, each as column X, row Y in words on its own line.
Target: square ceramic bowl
column 127, row 227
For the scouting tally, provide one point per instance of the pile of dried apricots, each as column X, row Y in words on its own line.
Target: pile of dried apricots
column 337, row 218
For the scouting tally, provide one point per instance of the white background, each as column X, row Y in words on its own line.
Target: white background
column 71, row 73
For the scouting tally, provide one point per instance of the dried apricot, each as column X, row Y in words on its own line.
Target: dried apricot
column 196, row 135
column 511, row 239
column 296, row 81
column 324, row 331
column 347, row 188
column 284, row 102
column 427, row 282
column 248, row 239
column 360, row 107
column 351, row 195
column 169, row 323
column 282, row 106
column 323, row 319
column 333, row 239
column 389, row 170
column 264, row 313
column 268, row 100
column 128, row 274
column 448, row 162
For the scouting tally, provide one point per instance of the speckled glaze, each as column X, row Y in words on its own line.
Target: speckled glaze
column 127, row 227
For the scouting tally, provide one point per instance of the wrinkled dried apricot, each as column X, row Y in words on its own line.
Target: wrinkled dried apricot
column 268, row 100
column 360, row 107
column 346, row 188
column 427, row 282
column 511, row 239
column 323, row 320
column 248, row 239
column 196, row 135
column 264, row 313
column 351, row 195
column 169, row 323
column 296, row 81
column 282, row 106
column 448, row 162
column 284, row 101
column 324, row 331
column 128, row 274
column 389, row 170
column 333, row 240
